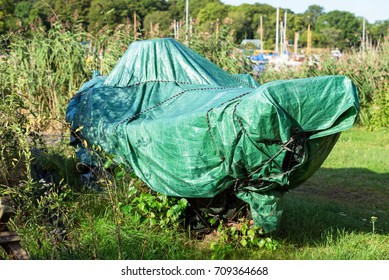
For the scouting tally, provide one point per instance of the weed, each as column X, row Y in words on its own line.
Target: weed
column 373, row 219
column 243, row 235
column 154, row 209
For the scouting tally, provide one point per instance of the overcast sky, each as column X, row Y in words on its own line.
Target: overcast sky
column 372, row 10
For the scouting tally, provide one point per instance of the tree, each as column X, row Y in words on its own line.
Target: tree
column 378, row 31
column 347, row 24
column 312, row 13
column 102, row 12
column 177, row 7
column 144, row 7
column 72, row 9
column 161, row 21
column 330, row 37
column 245, row 20
column 208, row 15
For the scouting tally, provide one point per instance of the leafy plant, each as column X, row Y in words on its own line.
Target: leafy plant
column 15, row 152
column 154, row 209
column 244, row 235
column 378, row 111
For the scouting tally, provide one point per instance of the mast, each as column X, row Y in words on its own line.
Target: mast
column 261, row 30
column 277, row 29
column 364, row 35
column 285, row 40
column 281, row 38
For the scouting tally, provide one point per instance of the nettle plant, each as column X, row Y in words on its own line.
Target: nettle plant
column 155, row 209
column 242, row 234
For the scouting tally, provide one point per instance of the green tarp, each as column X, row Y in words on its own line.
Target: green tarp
column 189, row 129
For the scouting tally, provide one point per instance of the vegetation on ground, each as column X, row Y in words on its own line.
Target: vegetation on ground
column 340, row 213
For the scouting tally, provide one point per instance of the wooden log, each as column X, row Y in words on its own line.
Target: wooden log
column 15, row 251
column 9, row 237
column 9, row 240
column 6, row 212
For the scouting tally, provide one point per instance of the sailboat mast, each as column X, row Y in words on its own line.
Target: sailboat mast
column 285, row 40
column 261, row 26
column 277, row 29
column 364, row 35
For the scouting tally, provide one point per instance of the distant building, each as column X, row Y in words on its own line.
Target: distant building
column 256, row 42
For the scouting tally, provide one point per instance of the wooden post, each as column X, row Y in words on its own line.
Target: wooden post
column 296, row 39
column 9, row 240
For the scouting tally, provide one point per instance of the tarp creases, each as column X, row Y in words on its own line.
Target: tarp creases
column 189, row 129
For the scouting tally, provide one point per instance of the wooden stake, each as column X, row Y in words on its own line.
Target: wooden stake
column 9, row 240
column 296, row 38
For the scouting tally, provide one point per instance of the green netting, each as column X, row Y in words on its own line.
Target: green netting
column 189, row 129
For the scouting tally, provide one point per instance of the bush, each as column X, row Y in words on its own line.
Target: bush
column 15, row 153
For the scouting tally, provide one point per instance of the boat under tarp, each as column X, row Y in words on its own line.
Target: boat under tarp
column 189, row 129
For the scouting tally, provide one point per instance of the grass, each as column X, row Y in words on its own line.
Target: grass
column 355, row 176
column 328, row 217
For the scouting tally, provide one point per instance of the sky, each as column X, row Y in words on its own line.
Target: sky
column 371, row 10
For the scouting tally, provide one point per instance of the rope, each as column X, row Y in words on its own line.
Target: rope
column 169, row 99
column 134, row 85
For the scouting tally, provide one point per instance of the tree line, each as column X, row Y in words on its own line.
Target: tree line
column 339, row 29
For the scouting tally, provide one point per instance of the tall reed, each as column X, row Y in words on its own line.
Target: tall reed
column 369, row 71
column 46, row 68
